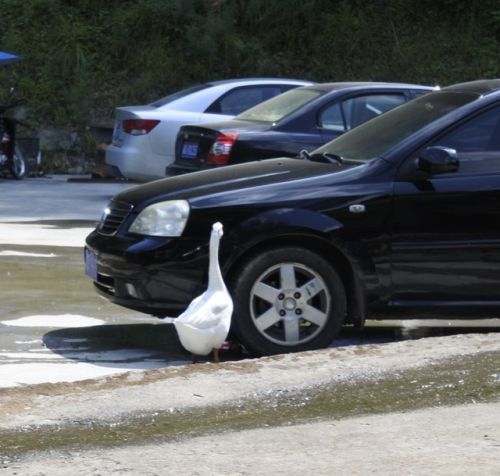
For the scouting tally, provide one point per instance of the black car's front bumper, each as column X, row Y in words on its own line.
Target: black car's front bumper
column 156, row 276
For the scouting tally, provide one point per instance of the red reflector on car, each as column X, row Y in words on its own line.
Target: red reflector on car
column 138, row 127
column 221, row 149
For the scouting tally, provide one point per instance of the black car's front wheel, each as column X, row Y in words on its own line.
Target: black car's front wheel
column 287, row 300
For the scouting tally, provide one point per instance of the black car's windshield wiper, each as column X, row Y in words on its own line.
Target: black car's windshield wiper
column 333, row 158
column 325, row 156
column 304, row 155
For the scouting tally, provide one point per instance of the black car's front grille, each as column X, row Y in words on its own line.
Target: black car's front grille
column 113, row 217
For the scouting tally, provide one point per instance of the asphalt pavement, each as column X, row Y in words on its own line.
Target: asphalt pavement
column 56, row 197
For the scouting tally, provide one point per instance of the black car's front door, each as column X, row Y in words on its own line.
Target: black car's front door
column 446, row 227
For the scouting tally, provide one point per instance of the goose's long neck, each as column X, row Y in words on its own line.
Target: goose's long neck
column 215, row 280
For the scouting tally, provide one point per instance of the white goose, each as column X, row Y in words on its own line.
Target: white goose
column 204, row 325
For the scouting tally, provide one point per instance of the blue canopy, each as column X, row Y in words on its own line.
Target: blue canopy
column 6, row 58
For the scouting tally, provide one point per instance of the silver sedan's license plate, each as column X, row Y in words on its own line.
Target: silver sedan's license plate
column 189, row 150
column 91, row 264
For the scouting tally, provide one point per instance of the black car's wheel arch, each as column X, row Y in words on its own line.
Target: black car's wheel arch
column 355, row 296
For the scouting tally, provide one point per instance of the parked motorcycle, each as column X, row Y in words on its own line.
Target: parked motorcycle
column 11, row 157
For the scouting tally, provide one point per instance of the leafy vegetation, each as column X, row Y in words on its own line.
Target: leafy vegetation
column 82, row 59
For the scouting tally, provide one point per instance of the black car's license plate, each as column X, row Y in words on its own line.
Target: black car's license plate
column 91, row 264
column 189, row 150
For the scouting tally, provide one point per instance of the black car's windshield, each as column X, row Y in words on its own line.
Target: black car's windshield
column 373, row 138
column 276, row 108
column 179, row 94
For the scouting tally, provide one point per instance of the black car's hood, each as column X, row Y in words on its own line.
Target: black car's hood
column 232, row 180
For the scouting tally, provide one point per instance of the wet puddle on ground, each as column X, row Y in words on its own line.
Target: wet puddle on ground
column 55, row 327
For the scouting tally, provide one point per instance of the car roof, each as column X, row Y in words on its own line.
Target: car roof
column 250, row 80
column 205, row 93
column 366, row 85
column 481, row 87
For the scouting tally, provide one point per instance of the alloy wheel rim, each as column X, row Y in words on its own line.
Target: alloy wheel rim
column 290, row 304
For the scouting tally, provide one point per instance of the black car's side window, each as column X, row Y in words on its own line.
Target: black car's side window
column 354, row 111
column 477, row 143
column 241, row 99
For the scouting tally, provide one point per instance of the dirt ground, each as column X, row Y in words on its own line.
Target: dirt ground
column 399, row 437
column 462, row 440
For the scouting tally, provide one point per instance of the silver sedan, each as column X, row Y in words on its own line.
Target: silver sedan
column 144, row 136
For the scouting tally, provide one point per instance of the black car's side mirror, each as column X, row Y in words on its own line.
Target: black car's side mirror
column 437, row 160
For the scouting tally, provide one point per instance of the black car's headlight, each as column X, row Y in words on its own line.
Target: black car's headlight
column 162, row 219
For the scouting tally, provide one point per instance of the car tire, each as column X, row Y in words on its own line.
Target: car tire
column 287, row 300
column 17, row 166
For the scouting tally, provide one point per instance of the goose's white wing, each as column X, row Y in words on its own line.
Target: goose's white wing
column 205, row 323
column 201, row 341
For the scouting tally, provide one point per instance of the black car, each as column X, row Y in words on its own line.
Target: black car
column 398, row 218
column 304, row 118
